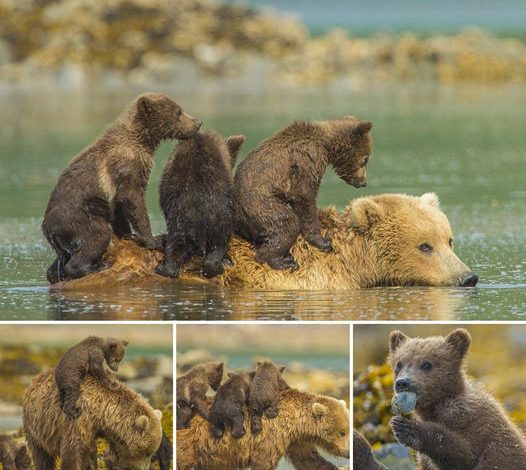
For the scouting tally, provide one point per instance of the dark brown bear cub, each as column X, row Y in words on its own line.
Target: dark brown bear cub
column 229, row 406
column 277, row 184
column 14, row 455
column 102, row 191
column 460, row 426
column 192, row 388
column 87, row 357
column 265, row 392
column 196, row 196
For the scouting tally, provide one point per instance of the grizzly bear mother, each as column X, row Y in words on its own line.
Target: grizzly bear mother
column 386, row 240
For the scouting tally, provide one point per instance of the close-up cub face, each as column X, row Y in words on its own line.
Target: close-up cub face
column 430, row 367
column 114, row 350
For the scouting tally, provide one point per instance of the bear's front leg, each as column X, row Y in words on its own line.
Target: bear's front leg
column 447, row 449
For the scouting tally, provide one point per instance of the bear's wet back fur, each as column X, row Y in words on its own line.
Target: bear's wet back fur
column 277, row 184
column 196, row 197
column 459, row 425
column 101, row 192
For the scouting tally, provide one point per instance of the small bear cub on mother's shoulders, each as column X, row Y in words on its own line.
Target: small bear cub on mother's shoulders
column 197, row 196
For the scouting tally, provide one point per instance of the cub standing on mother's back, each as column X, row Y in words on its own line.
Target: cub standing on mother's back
column 102, row 190
column 277, row 184
column 87, row 357
column 460, row 426
column 196, row 197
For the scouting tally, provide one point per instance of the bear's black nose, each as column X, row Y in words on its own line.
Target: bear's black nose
column 402, row 385
column 468, row 280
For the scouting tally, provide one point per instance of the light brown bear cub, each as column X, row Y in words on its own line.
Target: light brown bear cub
column 101, row 192
column 192, row 388
column 265, row 392
column 87, row 358
column 459, row 425
column 277, row 184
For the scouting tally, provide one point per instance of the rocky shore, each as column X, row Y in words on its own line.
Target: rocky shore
column 145, row 41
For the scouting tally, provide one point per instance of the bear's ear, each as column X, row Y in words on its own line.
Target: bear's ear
column 363, row 127
column 431, row 199
column 396, row 339
column 259, row 363
column 218, row 366
column 158, row 413
column 141, row 423
column 125, row 343
column 230, row 374
column 365, row 213
column 251, row 374
column 319, row 410
column 144, row 106
column 234, row 143
column 282, row 369
column 459, row 341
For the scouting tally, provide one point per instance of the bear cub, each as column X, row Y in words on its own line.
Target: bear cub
column 196, row 197
column 362, row 454
column 265, row 392
column 101, row 192
column 87, row 357
column 459, row 425
column 228, row 409
column 277, row 184
column 192, row 388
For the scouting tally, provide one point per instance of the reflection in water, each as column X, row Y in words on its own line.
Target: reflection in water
column 191, row 302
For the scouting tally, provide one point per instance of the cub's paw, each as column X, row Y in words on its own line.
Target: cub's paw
column 72, row 411
column 238, row 433
column 406, row 431
column 324, row 244
column 167, row 271
column 152, row 243
column 113, row 385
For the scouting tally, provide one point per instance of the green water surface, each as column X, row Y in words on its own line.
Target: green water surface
column 467, row 144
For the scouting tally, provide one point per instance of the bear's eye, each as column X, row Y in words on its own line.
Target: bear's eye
column 426, row 366
column 450, row 243
column 426, row 248
column 343, row 433
column 365, row 161
column 398, row 367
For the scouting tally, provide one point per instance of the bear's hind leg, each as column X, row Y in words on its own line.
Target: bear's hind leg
column 71, row 395
column 238, row 428
column 280, row 236
column 176, row 252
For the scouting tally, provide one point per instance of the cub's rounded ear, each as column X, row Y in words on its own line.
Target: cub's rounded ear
column 158, row 413
column 319, row 410
column 396, row 339
column 259, row 363
column 431, row 199
column 218, row 366
column 282, row 369
column 125, row 343
column 251, row 374
column 141, row 423
column 365, row 213
column 363, row 127
column 144, row 105
column 459, row 341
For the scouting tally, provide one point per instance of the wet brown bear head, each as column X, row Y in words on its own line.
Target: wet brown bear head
column 114, row 350
column 410, row 241
column 349, row 146
column 331, row 417
column 432, row 367
column 162, row 118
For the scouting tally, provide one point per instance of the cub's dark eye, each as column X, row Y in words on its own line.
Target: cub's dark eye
column 343, row 433
column 398, row 367
column 451, row 242
column 426, row 366
column 426, row 248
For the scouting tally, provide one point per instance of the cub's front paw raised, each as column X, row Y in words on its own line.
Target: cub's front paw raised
column 406, row 431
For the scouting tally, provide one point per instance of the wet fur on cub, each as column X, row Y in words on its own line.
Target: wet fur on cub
column 196, row 196
column 277, row 184
column 101, row 192
column 87, row 357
